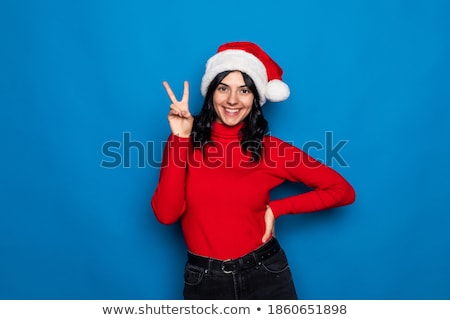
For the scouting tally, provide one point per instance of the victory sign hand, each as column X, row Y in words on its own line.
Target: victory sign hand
column 180, row 119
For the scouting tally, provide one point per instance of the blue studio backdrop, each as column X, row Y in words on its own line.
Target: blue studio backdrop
column 83, row 119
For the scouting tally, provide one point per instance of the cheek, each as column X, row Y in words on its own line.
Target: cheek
column 248, row 103
column 218, row 100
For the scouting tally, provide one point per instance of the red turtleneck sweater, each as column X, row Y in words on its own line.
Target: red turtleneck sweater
column 221, row 196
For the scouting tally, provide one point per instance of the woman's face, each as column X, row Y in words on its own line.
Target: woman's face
column 232, row 99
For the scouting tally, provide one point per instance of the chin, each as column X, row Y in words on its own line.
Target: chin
column 232, row 123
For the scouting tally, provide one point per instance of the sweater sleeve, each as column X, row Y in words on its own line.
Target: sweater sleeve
column 328, row 188
column 168, row 201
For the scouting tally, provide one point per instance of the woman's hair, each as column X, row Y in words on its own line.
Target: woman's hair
column 254, row 128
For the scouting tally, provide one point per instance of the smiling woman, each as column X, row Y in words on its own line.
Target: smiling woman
column 225, row 209
column 232, row 99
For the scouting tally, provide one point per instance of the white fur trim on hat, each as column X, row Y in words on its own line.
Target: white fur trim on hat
column 240, row 60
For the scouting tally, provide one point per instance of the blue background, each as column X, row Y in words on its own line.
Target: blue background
column 77, row 74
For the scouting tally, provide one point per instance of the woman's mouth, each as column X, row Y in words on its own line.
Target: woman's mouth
column 231, row 112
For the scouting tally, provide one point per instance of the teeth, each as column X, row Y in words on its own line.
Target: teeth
column 232, row 110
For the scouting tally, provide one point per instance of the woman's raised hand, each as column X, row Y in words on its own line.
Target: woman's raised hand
column 180, row 119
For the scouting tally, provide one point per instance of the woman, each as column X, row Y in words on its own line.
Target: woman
column 218, row 170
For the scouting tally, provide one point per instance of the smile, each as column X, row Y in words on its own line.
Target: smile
column 232, row 111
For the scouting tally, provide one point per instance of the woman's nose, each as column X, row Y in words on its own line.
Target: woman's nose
column 232, row 98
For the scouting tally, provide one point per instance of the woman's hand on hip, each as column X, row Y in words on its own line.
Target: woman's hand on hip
column 269, row 219
column 180, row 119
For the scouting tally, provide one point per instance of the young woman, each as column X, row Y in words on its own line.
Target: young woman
column 218, row 170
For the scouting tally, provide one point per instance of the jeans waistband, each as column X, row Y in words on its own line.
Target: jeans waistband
column 250, row 260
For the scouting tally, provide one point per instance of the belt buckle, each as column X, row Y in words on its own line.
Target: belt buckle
column 223, row 266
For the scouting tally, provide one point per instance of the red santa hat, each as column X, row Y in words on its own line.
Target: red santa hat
column 249, row 58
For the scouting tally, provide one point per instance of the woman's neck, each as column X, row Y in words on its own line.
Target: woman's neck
column 221, row 130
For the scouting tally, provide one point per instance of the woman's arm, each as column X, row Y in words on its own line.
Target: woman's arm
column 328, row 188
column 168, row 201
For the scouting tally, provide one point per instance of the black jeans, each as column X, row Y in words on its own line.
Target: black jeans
column 254, row 277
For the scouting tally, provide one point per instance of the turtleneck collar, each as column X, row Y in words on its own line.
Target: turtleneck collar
column 223, row 131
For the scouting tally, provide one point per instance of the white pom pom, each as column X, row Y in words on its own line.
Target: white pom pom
column 277, row 90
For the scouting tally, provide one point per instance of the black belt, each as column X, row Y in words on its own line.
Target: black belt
column 250, row 260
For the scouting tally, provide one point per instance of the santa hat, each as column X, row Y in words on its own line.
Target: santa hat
column 249, row 58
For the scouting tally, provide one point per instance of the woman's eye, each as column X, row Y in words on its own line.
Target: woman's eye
column 222, row 88
column 245, row 91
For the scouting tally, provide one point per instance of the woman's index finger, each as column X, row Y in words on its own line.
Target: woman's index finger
column 170, row 92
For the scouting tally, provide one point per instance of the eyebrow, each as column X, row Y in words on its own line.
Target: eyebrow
column 221, row 83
